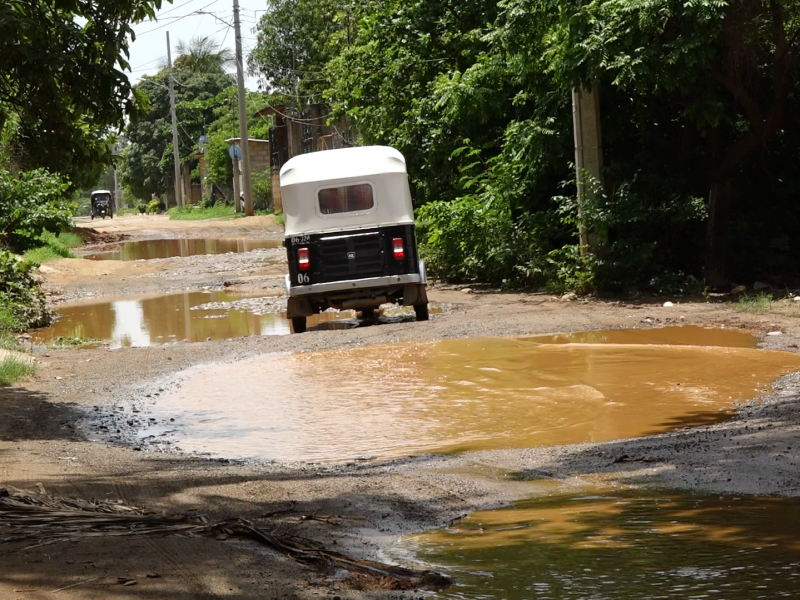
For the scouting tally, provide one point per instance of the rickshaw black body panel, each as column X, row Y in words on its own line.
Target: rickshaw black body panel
column 352, row 255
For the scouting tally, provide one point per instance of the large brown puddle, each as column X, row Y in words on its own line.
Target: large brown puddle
column 474, row 394
column 622, row 545
column 152, row 249
column 191, row 317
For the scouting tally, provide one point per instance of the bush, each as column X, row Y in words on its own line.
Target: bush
column 155, row 206
column 142, row 208
column 22, row 302
column 262, row 194
column 31, row 205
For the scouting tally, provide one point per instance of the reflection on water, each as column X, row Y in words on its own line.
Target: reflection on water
column 457, row 395
column 169, row 318
column 152, row 249
column 625, row 545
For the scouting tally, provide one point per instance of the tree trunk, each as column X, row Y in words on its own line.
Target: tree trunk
column 719, row 208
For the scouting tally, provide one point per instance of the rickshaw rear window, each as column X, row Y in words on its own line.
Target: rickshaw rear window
column 351, row 198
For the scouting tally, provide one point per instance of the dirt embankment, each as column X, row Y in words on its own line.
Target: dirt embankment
column 359, row 508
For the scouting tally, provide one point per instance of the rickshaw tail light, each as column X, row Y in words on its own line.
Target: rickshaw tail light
column 397, row 246
column 302, row 259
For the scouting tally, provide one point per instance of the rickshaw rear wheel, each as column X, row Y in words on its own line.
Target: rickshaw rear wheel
column 421, row 310
column 299, row 324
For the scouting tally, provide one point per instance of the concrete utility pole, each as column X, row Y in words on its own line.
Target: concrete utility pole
column 175, row 149
column 247, row 183
column 588, row 156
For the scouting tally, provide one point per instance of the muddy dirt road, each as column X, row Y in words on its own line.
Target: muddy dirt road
column 75, row 430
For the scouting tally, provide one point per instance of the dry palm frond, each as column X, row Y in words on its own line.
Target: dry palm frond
column 47, row 519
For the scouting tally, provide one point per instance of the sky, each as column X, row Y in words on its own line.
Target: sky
column 183, row 23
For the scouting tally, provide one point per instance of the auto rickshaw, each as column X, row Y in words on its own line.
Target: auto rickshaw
column 102, row 204
column 349, row 234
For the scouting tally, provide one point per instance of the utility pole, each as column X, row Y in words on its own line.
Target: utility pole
column 175, row 149
column 588, row 159
column 244, row 142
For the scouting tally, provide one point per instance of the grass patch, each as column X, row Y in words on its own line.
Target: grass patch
column 128, row 211
column 45, row 254
column 55, row 247
column 12, row 370
column 190, row 213
column 760, row 303
column 9, row 341
column 279, row 219
column 66, row 341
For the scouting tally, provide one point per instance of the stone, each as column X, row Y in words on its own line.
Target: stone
column 775, row 333
column 739, row 289
column 668, row 304
column 796, row 299
column 466, row 291
column 569, row 297
column 760, row 285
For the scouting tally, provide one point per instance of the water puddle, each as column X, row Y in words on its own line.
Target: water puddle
column 149, row 250
column 190, row 317
column 629, row 544
column 456, row 395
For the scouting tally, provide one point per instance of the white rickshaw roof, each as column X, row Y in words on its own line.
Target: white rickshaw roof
column 382, row 167
column 101, row 192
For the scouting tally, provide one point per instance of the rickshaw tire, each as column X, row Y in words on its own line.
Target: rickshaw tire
column 421, row 310
column 299, row 324
column 369, row 316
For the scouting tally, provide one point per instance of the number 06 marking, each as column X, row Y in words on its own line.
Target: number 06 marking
column 303, row 278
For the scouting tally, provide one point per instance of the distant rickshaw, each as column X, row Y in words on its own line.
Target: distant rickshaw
column 102, row 204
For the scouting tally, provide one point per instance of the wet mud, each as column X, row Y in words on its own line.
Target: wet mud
column 461, row 395
column 172, row 248
column 620, row 544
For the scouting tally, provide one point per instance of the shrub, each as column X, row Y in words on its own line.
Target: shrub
column 22, row 302
column 155, row 206
column 262, row 194
column 31, row 205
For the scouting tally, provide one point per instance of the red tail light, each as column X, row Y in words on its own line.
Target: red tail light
column 302, row 259
column 397, row 246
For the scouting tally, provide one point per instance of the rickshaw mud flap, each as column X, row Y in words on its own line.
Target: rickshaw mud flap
column 299, row 306
column 414, row 294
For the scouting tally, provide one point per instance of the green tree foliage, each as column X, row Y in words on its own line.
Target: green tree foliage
column 226, row 126
column 295, row 41
column 200, row 78
column 63, row 80
column 477, row 95
column 386, row 79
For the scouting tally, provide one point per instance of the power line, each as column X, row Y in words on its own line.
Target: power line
column 176, row 19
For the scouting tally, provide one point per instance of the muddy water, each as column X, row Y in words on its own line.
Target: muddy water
column 622, row 545
column 148, row 250
column 458, row 395
column 176, row 317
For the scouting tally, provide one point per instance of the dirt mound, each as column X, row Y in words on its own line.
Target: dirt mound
column 92, row 236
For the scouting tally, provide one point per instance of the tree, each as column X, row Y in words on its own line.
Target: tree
column 63, row 64
column 200, row 78
column 295, row 41
column 720, row 72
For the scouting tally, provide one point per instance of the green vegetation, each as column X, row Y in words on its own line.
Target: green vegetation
column 55, row 247
column 696, row 99
column 759, row 304
column 66, row 341
column 63, row 86
column 13, row 369
column 191, row 213
column 279, row 218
